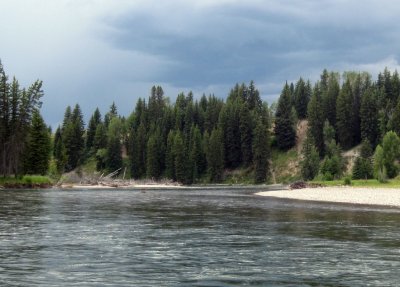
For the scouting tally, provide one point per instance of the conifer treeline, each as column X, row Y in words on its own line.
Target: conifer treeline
column 186, row 141
column 342, row 113
column 193, row 140
column 24, row 137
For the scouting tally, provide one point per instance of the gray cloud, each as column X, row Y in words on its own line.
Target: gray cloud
column 95, row 52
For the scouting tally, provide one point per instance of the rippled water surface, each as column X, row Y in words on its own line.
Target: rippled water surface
column 192, row 238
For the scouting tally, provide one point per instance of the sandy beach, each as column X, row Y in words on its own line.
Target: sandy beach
column 353, row 195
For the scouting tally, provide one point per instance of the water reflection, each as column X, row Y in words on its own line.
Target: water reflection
column 192, row 238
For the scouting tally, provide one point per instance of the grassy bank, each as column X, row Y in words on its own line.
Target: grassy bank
column 27, row 181
column 392, row 183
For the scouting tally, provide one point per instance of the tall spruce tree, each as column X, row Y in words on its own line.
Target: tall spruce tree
column 261, row 153
column 246, row 134
column 155, row 155
column 363, row 168
column 316, row 120
column 114, row 146
column 391, row 153
column 94, row 121
column 196, row 155
column 285, row 132
column 170, row 156
column 302, row 96
column 37, row 156
column 215, row 156
column 73, row 138
column 16, row 111
column 369, row 117
column 330, row 98
column 59, row 151
column 344, row 118
column 180, row 157
column 310, row 162
column 230, row 125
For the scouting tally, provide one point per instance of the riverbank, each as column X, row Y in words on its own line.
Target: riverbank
column 25, row 182
column 352, row 195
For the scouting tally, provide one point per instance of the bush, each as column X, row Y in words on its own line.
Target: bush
column 327, row 176
column 347, row 180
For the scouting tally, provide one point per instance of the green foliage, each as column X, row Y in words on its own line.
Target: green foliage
column 246, row 134
column 180, row 157
column 285, row 132
column 16, row 110
column 229, row 124
column 329, row 97
column 379, row 164
column 94, row 121
column 114, row 146
column 302, row 95
column 391, row 152
column 155, row 155
column 261, row 153
column 316, row 119
column 72, row 136
column 197, row 164
column 332, row 166
column 170, row 156
column 37, row 154
column 310, row 162
column 215, row 156
column 347, row 180
column 59, row 151
column 363, row 168
column 369, row 117
column 344, row 109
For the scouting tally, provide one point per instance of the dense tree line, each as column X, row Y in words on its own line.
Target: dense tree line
column 188, row 141
column 344, row 112
column 24, row 137
column 195, row 140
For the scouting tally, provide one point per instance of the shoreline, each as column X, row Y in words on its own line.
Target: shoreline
column 389, row 197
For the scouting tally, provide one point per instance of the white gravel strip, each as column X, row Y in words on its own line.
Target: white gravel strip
column 355, row 195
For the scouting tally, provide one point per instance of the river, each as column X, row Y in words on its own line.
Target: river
column 192, row 238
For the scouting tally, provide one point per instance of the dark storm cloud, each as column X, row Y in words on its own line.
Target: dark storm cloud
column 95, row 52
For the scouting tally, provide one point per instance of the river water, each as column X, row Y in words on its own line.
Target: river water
column 192, row 238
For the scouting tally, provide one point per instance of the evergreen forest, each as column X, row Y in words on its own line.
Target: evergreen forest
column 199, row 140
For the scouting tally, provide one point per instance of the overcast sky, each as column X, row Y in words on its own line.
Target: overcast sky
column 94, row 52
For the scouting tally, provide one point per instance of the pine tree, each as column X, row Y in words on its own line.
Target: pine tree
column 229, row 123
column 330, row 98
column 246, row 134
column 154, row 155
column 391, row 153
column 302, row 95
column 38, row 146
column 363, row 168
column 114, row 155
column 215, row 156
column 59, row 151
column 112, row 113
column 73, row 138
column 310, row 162
column 285, row 132
column 261, row 153
column 316, row 120
column 196, row 155
column 180, row 157
column 379, row 164
column 369, row 117
column 394, row 122
column 170, row 156
column 138, row 157
column 344, row 112
column 95, row 119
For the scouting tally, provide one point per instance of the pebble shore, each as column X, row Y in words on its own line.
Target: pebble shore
column 353, row 195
